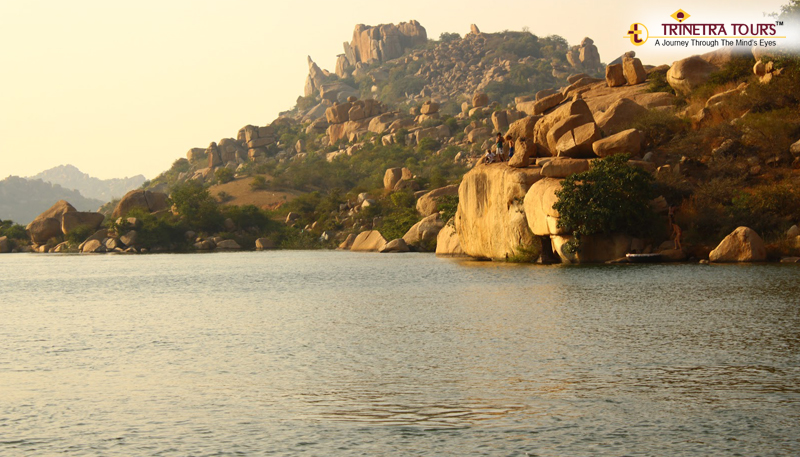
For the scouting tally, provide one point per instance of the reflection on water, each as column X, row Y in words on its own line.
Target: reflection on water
column 334, row 353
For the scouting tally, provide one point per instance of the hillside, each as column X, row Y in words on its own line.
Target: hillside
column 385, row 154
column 21, row 199
column 70, row 177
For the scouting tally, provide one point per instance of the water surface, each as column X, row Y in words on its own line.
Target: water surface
column 343, row 354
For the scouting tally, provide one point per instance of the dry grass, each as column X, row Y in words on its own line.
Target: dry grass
column 241, row 194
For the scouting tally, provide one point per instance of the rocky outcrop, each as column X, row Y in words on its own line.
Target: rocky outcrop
column 563, row 167
column 552, row 127
column 447, row 243
column 620, row 116
column 398, row 245
column 625, row 142
column 538, row 204
column 687, row 74
column 593, row 248
column 5, row 245
column 615, row 75
column 426, row 204
column 48, row 224
column 394, row 176
column 422, row 234
column 585, row 56
column 742, row 245
column 369, row 241
column 142, row 199
column 383, row 42
column 490, row 220
column 634, row 71
column 315, row 78
column 74, row 219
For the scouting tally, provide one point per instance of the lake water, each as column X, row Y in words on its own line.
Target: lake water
column 344, row 354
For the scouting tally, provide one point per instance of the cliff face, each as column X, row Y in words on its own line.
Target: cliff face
column 490, row 220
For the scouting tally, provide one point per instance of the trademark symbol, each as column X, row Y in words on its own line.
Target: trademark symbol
column 778, row 22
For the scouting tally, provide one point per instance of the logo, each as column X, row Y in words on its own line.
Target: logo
column 680, row 15
column 638, row 34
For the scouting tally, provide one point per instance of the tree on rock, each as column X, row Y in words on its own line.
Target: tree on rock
column 611, row 197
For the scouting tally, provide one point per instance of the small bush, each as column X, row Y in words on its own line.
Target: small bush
column 447, row 206
column 259, row 183
column 78, row 235
column 223, row 175
column 428, row 144
column 448, row 36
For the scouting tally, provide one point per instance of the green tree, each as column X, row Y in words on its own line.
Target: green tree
column 611, row 197
column 197, row 206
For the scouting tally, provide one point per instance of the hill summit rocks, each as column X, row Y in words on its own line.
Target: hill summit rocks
column 382, row 42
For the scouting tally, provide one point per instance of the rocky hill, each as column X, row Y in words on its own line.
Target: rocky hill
column 70, row 177
column 21, row 199
column 385, row 154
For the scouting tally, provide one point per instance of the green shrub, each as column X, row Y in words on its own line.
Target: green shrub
column 445, row 37
column 447, row 206
column 223, row 175
column 660, row 127
column 526, row 254
column 259, row 183
column 197, row 207
column 428, row 144
column 611, row 197
column 79, row 234
column 13, row 231
column 657, row 82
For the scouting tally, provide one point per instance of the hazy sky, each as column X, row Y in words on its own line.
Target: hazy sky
column 122, row 88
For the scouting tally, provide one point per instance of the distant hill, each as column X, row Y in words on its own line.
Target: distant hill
column 21, row 200
column 70, row 177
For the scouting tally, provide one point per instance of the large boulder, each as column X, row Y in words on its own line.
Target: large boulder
column 479, row 134
column 621, row 115
column 48, row 224
column 625, row 142
column 523, row 128
column 500, row 120
column 490, row 221
column 394, row 176
column 479, row 100
column 5, row 245
column 687, row 74
column 43, row 229
column 615, row 75
column 74, row 219
column 429, row 107
column 593, row 249
column 540, row 106
column 426, row 205
column 563, row 167
column 368, row 241
column 524, row 150
column 348, row 242
column 447, row 243
column 578, row 141
column 541, row 217
column 142, row 199
column 742, row 245
column 228, row 245
column 546, row 142
column 634, row 70
column 398, row 245
column 92, row 246
column 424, row 232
